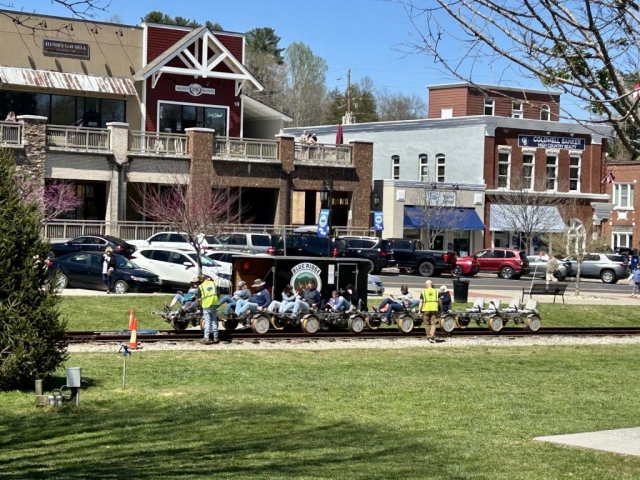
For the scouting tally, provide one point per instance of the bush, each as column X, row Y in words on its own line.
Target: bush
column 32, row 343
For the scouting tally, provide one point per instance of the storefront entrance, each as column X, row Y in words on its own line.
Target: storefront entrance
column 176, row 117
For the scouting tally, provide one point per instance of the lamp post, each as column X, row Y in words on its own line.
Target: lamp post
column 326, row 197
column 375, row 202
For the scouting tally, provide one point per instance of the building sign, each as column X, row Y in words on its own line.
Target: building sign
column 195, row 90
column 542, row 141
column 60, row 48
column 440, row 198
column 378, row 221
column 323, row 223
column 302, row 273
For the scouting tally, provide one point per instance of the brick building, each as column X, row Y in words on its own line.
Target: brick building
column 483, row 147
column 116, row 110
column 622, row 227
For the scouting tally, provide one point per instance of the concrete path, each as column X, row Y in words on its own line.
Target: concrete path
column 625, row 441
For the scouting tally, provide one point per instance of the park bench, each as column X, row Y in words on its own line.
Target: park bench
column 542, row 289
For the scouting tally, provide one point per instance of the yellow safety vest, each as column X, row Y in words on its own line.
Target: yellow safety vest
column 429, row 300
column 208, row 293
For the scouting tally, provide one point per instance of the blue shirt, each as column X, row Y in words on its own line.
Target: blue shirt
column 261, row 298
column 636, row 276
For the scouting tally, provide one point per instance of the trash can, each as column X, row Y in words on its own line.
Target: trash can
column 460, row 290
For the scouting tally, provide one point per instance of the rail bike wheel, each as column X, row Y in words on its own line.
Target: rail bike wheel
column 495, row 323
column 405, row 323
column 356, row 324
column 462, row 322
column 533, row 323
column 230, row 325
column 260, row 324
column 373, row 322
column 178, row 325
column 448, row 323
column 278, row 322
column 310, row 324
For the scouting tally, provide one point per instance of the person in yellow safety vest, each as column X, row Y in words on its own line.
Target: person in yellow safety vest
column 208, row 294
column 429, row 309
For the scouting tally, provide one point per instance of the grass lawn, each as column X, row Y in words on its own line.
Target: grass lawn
column 111, row 312
column 415, row 413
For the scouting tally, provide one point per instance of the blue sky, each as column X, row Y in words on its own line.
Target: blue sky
column 365, row 35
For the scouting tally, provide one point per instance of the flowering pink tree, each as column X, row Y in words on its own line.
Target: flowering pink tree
column 56, row 199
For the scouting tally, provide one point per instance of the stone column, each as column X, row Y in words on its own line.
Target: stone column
column 286, row 155
column 34, row 140
column 362, row 160
column 200, row 148
column 117, row 194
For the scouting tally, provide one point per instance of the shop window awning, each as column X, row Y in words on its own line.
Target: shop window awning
column 520, row 218
column 24, row 77
column 442, row 218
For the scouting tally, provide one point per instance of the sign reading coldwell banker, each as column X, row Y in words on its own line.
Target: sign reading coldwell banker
column 543, row 141
column 60, row 48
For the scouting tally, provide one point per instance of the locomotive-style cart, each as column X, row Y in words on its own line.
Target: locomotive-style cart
column 495, row 317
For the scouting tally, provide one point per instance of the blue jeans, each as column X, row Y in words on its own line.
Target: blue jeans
column 300, row 305
column 107, row 281
column 231, row 304
column 210, row 315
column 415, row 303
column 178, row 298
column 243, row 305
column 392, row 306
column 342, row 305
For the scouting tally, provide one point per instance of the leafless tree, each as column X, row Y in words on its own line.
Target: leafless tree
column 193, row 216
column 588, row 49
column 435, row 210
column 528, row 212
column 398, row 106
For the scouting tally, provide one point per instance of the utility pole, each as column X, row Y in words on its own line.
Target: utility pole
column 349, row 92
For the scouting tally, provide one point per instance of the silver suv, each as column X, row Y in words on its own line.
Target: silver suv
column 244, row 242
column 608, row 267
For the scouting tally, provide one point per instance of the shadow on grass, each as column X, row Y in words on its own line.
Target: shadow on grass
column 178, row 440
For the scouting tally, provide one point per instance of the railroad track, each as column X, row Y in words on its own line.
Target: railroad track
column 247, row 334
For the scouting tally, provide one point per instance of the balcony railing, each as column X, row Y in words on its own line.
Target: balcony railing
column 10, row 133
column 151, row 143
column 323, row 153
column 78, row 138
column 228, row 148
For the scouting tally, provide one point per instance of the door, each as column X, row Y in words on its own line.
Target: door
column 260, row 242
column 159, row 264
column 498, row 261
column 96, row 244
column 485, row 260
column 347, row 273
column 159, row 240
column 93, row 277
column 354, row 248
column 77, row 268
column 295, row 247
column 590, row 265
column 179, row 272
column 403, row 253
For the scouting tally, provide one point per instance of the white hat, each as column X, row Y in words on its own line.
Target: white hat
column 443, row 288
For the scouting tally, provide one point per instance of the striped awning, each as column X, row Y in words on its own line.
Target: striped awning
column 25, row 77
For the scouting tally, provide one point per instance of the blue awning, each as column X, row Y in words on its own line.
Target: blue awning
column 442, row 218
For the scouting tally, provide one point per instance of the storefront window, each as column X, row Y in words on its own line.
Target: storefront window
column 63, row 110
column 175, row 118
column 112, row 111
column 23, row 103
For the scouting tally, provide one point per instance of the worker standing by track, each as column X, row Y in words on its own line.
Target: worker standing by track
column 429, row 309
column 208, row 294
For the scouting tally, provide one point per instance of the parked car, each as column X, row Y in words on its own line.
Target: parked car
column 177, row 267
column 177, row 240
column 245, row 242
column 467, row 266
column 93, row 243
column 224, row 256
column 376, row 250
column 374, row 285
column 301, row 245
column 409, row 254
column 507, row 263
column 608, row 267
column 538, row 267
column 84, row 270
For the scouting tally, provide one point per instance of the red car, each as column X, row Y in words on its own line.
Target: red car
column 507, row 263
column 467, row 266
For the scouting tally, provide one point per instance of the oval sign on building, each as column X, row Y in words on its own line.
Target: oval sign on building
column 195, row 90
column 303, row 272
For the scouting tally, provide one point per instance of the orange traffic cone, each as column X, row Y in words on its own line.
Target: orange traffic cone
column 133, row 326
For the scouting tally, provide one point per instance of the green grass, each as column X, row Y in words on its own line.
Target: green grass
column 412, row 413
column 112, row 313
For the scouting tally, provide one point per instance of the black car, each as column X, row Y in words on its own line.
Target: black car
column 84, row 269
column 301, row 245
column 376, row 250
column 93, row 243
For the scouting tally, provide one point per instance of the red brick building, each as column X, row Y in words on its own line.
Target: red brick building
column 623, row 227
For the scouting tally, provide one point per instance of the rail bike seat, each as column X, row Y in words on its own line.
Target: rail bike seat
column 477, row 307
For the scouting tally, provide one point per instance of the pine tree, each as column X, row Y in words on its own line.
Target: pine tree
column 32, row 343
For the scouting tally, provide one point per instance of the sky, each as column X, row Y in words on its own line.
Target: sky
column 368, row 36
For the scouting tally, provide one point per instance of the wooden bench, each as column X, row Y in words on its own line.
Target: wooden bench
column 542, row 289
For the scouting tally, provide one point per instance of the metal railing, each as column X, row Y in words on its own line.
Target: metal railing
column 245, row 148
column 10, row 133
column 152, row 143
column 78, row 137
column 323, row 153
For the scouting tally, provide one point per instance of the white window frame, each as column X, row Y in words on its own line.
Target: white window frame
column 507, row 186
column 423, row 161
column 616, row 238
column 617, row 195
column 555, row 172
column 515, row 112
column 579, row 172
column 440, row 162
column 187, row 104
column 395, row 162
column 532, row 181
column 489, row 102
column 446, row 113
column 545, row 109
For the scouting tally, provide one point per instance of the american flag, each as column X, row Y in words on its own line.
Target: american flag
column 609, row 178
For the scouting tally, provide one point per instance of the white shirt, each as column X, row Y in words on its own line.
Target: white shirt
column 105, row 264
